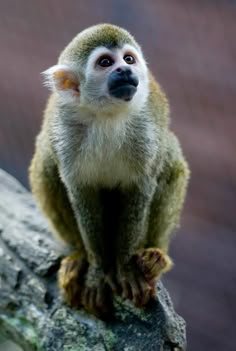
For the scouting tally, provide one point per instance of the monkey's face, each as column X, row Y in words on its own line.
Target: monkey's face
column 115, row 77
column 106, row 79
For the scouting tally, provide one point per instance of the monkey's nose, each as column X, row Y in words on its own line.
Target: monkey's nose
column 122, row 83
column 124, row 75
column 124, row 72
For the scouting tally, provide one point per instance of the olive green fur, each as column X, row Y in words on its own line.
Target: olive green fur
column 105, row 34
column 169, row 197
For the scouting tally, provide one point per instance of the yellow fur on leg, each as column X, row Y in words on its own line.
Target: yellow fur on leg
column 71, row 278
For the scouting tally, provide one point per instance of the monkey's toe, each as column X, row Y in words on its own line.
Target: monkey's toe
column 96, row 295
column 71, row 278
column 114, row 284
column 134, row 286
column 98, row 301
column 152, row 262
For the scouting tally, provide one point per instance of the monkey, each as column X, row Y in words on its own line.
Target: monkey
column 107, row 171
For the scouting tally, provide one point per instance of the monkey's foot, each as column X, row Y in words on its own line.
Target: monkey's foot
column 96, row 294
column 152, row 262
column 131, row 284
column 71, row 278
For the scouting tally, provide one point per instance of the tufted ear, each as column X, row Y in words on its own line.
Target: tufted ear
column 63, row 79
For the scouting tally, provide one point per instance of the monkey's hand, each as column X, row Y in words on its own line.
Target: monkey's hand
column 84, row 285
column 130, row 282
column 96, row 294
column 136, row 280
column 71, row 278
column 152, row 262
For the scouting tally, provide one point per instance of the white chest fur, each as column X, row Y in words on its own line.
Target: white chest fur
column 100, row 157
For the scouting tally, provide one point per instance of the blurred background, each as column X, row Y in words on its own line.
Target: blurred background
column 190, row 46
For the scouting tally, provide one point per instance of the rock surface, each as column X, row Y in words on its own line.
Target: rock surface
column 33, row 315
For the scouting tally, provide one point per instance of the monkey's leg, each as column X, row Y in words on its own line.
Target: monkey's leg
column 164, row 217
column 52, row 197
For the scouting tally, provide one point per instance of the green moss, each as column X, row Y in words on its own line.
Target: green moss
column 83, row 346
column 109, row 339
column 124, row 309
column 21, row 331
column 80, row 347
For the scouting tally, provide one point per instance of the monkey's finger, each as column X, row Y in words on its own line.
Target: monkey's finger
column 153, row 292
column 68, row 264
column 99, row 297
column 104, row 301
column 136, row 292
column 152, row 272
column 73, row 293
column 85, row 296
column 151, row 265
column 126, row 289
column 114, row 285
column 146, row 291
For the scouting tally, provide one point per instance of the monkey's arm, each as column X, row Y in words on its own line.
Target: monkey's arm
column 95, row 295
column 133, row 222
column 131, row 236
column 88, row 210
column 52, row 196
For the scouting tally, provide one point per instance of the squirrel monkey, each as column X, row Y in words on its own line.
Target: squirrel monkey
column 107, row 172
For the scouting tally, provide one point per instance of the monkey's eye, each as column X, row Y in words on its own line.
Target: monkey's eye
column 129, row 59
column 105, row 61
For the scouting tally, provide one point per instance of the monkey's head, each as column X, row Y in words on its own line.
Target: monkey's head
column 101, row 70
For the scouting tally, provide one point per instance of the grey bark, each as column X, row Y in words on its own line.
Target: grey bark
column 32, row 313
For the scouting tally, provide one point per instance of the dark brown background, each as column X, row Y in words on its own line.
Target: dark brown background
column 191, row 47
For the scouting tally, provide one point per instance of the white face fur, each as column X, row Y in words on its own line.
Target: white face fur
column 93, row 95
column 95, row 92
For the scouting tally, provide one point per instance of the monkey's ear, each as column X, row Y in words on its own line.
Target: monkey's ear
column 63, row 79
